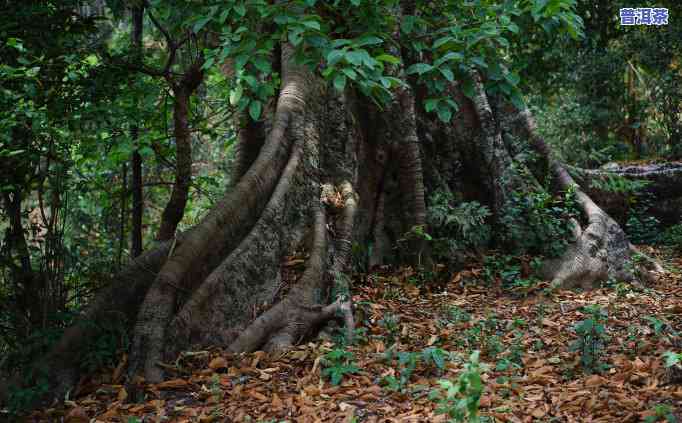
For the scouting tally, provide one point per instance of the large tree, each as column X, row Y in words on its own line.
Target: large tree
column 377, row 104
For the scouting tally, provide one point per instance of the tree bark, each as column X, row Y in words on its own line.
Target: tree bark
column 175, row 208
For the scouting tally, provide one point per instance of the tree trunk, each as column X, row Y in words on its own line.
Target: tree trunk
column 123, row 215
column 136, row 161
column 175, row 208
column 316, row 176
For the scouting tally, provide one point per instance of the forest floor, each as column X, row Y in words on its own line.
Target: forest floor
column 529, row 373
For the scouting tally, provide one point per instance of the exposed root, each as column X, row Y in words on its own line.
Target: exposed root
column 341, row 255
column 290, row 319
column 196, row 312
column 231, row 219
column 601, row 250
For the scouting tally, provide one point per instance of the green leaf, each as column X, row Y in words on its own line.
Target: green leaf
column 448, row 57
column 517, row 100
column 312, row 24
column 468, row 89
column 354, row 57
column 407, row 25
column 479, row 61
column 442, row 40
column 282, row 19
column 447, row 73
column 672, row 359
column 262, row 64
column 430, row 104
column 208, row 63
column 236, row 95
column 295, row 37
column 420, row 68
column 340, row 82
column 340, row 42
column 334, row 56
column 367, row 40
column 388, row 58
column 240, row 61
column 255, row 109
column 350, row 73
column 201, row 23
column 223, row 16
column 240, row 9
column 512, row 77
column 444, row 114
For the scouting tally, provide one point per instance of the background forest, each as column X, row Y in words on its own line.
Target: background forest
column 124, row 122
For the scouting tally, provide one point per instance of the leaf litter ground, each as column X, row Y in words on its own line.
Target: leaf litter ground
column 531, row 376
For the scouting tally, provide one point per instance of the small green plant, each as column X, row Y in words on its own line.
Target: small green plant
column 673, row 237
column 661, row 413
column 21, row 399
column 338, row 363
column 508, row 271
column 456, row 226
column 641, row 226
column 460, row 400
column 592, row 339
column 431, row 357
column 391, row 323
column 672, row 358
column 622, row 289
column 104, row 350
column 618, row 184
column 407, row 363
column 360, row 254
column 434, row 357
column 455, row 314
column 633, row 342
column 513, row 358
column 485, row 337
column 391, row 293
column 656, row 324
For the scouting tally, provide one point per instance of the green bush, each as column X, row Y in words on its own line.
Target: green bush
column 673, row 237
column 456, row 228
column 538, row 223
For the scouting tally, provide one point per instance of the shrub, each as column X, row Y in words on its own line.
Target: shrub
column 538, row 223
column 460, row 400
column 592, row 339
column 456, row 228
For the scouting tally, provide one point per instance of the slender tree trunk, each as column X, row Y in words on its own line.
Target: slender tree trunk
column 175, row 208
column 18, row 259
column 123, row 213
column 136, row 161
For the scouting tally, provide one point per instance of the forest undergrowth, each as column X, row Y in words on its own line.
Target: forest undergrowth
column 470, row 348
